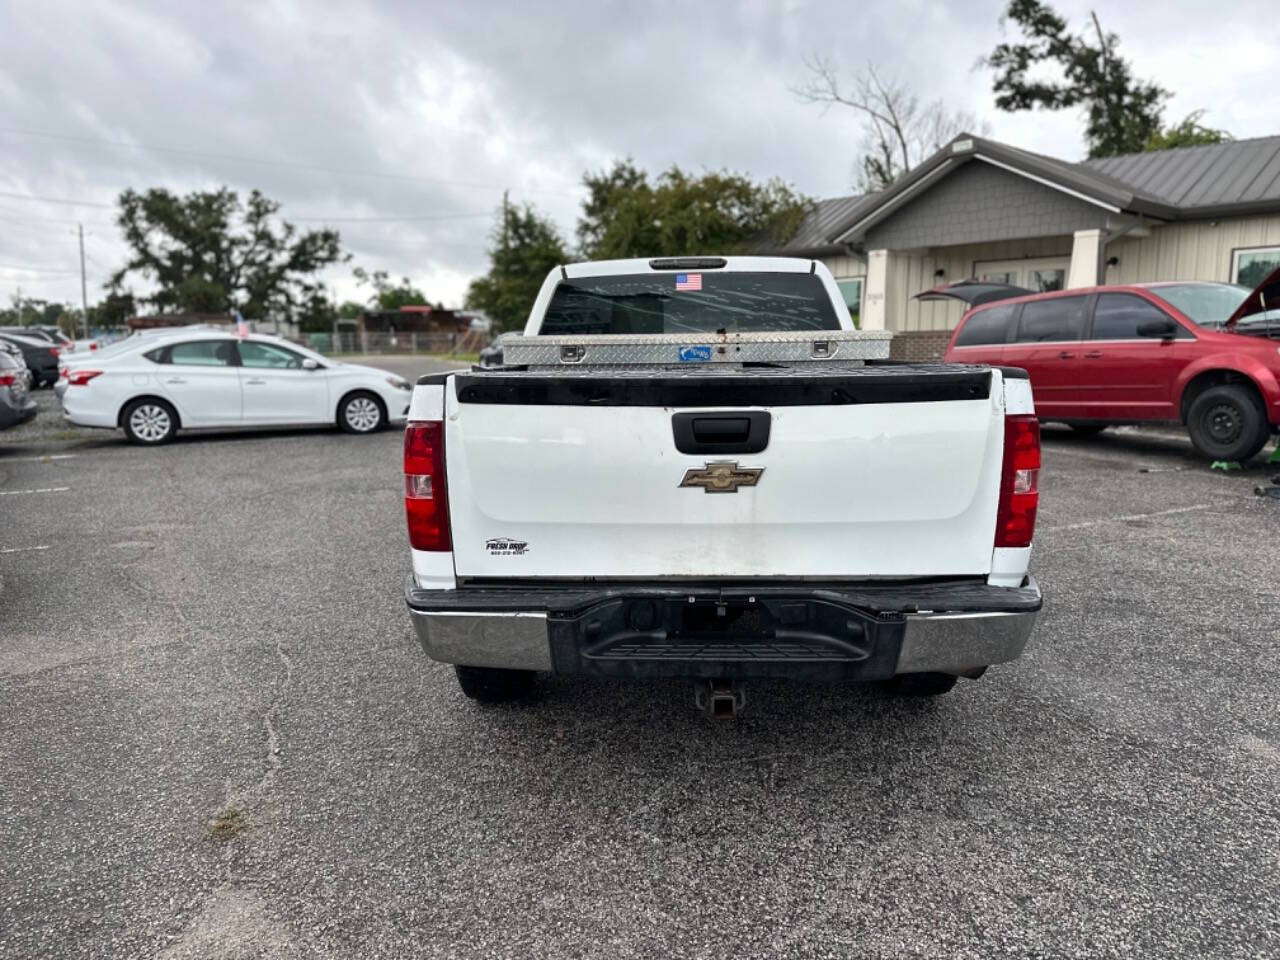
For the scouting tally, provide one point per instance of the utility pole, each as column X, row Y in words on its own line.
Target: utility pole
column 84, row 295
column 504, row 226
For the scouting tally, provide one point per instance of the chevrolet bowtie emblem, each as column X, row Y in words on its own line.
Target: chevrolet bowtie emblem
column 722, row 476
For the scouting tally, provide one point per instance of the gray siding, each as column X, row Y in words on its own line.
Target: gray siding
column 981, row 203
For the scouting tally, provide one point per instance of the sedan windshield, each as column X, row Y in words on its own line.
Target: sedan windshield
column 1207, row 304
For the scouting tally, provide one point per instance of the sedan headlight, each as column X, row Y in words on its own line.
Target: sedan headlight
column 400, row 383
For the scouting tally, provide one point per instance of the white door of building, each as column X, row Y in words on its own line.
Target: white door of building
column 1040, row 274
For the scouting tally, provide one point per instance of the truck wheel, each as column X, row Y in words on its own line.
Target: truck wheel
column 920, row 684
column 492, row 685
column 1087, row 429
column 1225, row 423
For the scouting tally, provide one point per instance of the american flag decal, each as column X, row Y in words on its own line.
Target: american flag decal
column 688, row 281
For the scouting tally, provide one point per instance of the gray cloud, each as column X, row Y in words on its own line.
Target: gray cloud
column 430, row 110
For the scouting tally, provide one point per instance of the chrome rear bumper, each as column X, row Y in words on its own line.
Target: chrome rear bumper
column 558, row 637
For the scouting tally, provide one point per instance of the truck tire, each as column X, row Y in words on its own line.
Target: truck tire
column 492, row 685
column 1226, row 423
column 920, row 684
column 1087, row 429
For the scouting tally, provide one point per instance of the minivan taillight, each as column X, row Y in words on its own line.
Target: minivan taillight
column 1019, row 481
column 78, row 378
column 426, row 495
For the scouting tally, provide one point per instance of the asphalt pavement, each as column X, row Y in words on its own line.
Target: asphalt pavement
column 221, row 739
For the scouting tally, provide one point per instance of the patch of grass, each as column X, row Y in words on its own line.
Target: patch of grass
column 228, row 823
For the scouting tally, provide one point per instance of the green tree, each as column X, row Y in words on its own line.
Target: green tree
column 1189, row 133
column 524, row 247
column 388, row 295
column 626, row 214
column 31, row 311
column 209, row 252
column 1123, row 113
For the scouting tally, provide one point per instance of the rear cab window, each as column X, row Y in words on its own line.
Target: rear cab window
column 1052, row 320
column 694, row 302
column 987, row 327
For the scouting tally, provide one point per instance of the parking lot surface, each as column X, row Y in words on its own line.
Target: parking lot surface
column 221, row 739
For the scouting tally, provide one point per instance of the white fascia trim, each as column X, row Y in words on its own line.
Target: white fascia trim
column 905, row 194
column 1048, row 183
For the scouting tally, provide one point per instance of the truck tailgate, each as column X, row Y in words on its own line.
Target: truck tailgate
column 884, row 473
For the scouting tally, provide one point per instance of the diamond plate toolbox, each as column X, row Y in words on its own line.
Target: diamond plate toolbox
column 695, row 348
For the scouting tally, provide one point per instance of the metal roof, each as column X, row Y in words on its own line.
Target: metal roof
column 822, row 224
column 1224, row 179
column 1218, row 177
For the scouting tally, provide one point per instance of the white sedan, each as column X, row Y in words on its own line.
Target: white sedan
column 151, row 387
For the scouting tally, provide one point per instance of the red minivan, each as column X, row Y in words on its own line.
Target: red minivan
column 1206, row 355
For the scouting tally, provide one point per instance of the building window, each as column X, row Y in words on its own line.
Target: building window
column 851, row 290
column 1040, row 275
column 1249, row 267
column 1046, row 281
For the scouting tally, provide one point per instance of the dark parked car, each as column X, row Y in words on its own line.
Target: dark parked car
column 1196, row 353
column 41, row 357
column 16, row 404
column 51, row 335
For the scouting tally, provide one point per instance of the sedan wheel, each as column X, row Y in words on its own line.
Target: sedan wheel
column 149, row 422
column 360, row 413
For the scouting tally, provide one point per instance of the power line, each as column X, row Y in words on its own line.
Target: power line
column 69, row 203
column 445, row 216
column 307, row 219
column 234, row 158
column 18, row 266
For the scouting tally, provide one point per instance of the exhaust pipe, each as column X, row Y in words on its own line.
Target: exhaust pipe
column 720, row 699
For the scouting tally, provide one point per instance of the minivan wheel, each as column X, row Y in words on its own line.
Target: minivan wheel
column 1226, row 423
column 149, row 422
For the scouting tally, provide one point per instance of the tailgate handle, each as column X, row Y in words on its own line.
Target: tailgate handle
column 745, row 431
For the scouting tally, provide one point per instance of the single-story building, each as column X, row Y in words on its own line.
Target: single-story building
column 978, row 208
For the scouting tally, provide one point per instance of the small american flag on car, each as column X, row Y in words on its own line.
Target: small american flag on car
column 688, row 281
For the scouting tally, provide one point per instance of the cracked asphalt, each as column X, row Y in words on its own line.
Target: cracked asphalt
column 215, row 629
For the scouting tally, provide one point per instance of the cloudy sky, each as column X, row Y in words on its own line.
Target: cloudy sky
column 401, row 123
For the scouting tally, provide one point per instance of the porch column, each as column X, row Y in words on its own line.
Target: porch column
column 874, row 310
column 1086, row 259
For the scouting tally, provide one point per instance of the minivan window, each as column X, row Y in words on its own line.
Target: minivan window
column 1118, row 316
column 1060, row 318
column 986, row 326
column 694, row 302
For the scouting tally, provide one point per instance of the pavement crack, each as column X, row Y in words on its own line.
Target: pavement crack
column 272, row 763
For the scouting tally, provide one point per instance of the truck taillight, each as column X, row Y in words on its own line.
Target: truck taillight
column 7, row 379
column 78, row 378
column 1019, row 482
column 426, row 494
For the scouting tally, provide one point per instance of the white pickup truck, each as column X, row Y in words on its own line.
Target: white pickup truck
column 708, row 516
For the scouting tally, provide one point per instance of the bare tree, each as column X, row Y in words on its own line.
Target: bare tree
column 898, row 129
